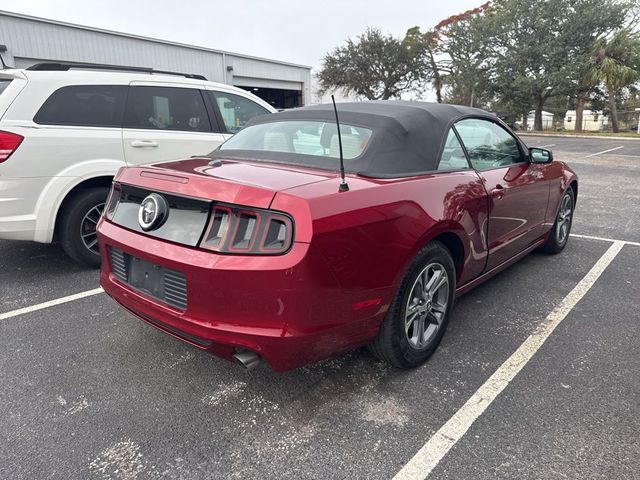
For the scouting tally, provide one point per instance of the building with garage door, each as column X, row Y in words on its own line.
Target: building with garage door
column 27, row 40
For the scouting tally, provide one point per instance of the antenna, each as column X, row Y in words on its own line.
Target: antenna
column 343, row 183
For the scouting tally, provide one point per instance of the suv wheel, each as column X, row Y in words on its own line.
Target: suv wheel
column 78, row 225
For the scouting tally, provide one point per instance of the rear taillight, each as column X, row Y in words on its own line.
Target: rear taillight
column 9, row 142
column 234, row 229
column 112, row 201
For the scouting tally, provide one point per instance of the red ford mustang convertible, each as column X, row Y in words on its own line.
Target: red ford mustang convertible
column 258, row 251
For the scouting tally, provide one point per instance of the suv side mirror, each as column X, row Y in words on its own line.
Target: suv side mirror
column 540, row 155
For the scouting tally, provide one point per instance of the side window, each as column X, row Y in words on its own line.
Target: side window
column 453, row 157
column 488, row 145
column 84, row 105
column 3, row 85
column 166, row 108
column 236, row 110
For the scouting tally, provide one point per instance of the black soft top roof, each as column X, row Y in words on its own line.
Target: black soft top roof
column 407, row 136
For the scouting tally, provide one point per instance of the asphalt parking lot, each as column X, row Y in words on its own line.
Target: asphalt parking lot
column 589, row 147
column 537, row 377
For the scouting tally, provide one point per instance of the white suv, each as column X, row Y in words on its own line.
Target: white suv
column 66, row 129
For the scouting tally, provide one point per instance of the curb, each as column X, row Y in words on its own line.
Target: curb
column 606, row 137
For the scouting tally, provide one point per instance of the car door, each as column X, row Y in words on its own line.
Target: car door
column 465, row 202
column 517, row 191
column 167, row 121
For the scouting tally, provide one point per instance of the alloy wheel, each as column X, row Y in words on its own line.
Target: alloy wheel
column 427, row 306
column 88, row 226
column 564, row 219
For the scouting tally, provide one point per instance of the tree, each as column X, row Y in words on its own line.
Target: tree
column 532, row 51
column 455, row 55
column 598, row 19
column 538, row 48
column 376, row 66
column 464, row 70
column 433, row 52
column 616, row 64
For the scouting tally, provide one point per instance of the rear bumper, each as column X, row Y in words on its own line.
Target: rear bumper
column 22, row 227
column 23, row 213
column 288, row 309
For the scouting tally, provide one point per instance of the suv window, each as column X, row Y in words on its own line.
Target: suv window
column 166, row 108
column 488, row 144
column 453, row 157
column 4, row 84
column 236, row 110
column 84, row 105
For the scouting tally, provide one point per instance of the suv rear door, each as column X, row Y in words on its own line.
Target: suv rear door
column 164, row 121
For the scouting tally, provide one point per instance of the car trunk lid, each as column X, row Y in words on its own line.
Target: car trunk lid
column 226, row 181
column 191, row 187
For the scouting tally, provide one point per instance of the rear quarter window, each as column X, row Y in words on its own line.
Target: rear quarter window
column 84, row 105
column 3, row 85
column 236, row 110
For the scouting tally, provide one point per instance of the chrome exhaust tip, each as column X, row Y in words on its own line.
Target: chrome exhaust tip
column 247, row 359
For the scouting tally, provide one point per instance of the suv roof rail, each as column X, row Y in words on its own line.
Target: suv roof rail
column 61, row 67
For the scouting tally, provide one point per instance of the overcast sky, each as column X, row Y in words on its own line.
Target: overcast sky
column 289, row 30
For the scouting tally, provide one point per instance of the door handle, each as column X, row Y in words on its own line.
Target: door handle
column 144, row 143
column 497, row 192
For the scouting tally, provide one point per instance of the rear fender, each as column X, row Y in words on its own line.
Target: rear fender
column 433, row 232
column 54, row 193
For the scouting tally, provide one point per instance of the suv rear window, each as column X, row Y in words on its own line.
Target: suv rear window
column 166, row 108
column 84, row 105
column 4, row 84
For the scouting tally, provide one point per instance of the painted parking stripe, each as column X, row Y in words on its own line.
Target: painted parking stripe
column 547, row 146
column 624, row 155
column 604, row 151
column 430, row 455
column 603, row 239
column 50, row 303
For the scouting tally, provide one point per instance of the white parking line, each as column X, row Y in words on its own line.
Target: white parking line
column 547, row 146
column 603, row 239
column 50, row 303
column 430, row 455
column 604, row 151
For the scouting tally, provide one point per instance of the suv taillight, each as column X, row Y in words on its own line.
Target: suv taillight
column 235, row 229
column 9, row 142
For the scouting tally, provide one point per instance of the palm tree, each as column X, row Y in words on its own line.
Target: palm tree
column 615, row 62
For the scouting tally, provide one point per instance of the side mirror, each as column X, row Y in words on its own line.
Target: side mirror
column 540, row 155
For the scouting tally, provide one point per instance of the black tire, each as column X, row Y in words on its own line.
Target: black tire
column 392, row 344
column 72, row 219
column 559, row 234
